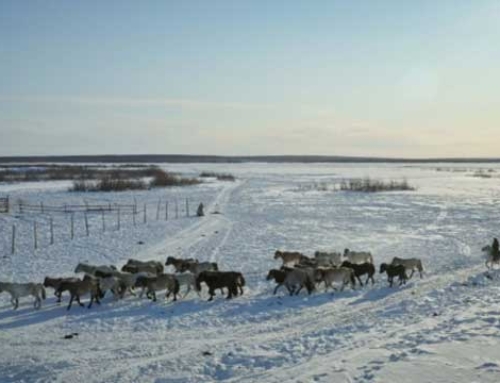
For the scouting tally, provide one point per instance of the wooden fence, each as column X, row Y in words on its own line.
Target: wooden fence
column 4, row 205
column 101, row 217
column 23, row 207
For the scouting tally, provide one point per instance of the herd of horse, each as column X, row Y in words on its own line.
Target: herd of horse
column 297, row 271
column 336, row 270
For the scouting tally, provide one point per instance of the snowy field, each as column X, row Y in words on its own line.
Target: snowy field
column 442, row 328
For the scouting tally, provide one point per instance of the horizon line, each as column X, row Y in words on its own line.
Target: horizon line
column 207, row 158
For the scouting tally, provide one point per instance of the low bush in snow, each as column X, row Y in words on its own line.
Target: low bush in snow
column 369, row 185
column 162, row 179
column 108, row 184
column 219, row 176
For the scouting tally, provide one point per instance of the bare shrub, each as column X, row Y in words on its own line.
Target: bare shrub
column 368, row 185
column 162, row 178
column 482, row 174
column 108, row 184
column 50, row 172
column 219, row 176
column 316, row 186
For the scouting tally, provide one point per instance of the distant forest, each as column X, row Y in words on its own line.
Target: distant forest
column 179, row 158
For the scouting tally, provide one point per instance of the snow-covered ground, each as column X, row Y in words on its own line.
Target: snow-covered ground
column 442, row 328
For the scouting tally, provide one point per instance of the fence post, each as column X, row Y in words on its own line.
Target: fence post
column 35, row 239
column 145, row 213
column 51, row 231
column 118, row 219
column 86, row 224
column 21, row 207
column 103, row 221
column 134, row 212
column 13, row 239
column 187, row 208
column 41, row 207
column 158, row 210
column 176, row 209
column 72, row 225
column 166, row 211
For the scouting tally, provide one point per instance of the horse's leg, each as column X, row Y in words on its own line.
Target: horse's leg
column 78, row 300
column 171, row 292
column 230, row 291
column 58, row 294
column 70, row 301
column 390, row 281
column 412, row 272
column 188, row 290
column 211, row 292
column 276, row 288
column 300, row 288
column 91, row 301
column 359, row 280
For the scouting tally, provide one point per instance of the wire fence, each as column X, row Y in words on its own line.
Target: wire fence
column 43, row 224
column 4, row 204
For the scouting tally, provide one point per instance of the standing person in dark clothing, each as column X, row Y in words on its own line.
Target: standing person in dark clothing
column 200, row 212
column 495, row 251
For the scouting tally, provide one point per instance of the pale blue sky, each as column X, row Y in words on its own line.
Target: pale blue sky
column 377, row 78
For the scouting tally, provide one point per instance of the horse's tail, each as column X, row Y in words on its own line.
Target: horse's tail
column 242, row 280
column 44, row 294
column 419, row 265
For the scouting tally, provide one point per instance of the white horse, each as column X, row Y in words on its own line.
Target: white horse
column 290, row 258
column 19, row 290
column 198, row 267
column 491, row 259
column 328, row 259
column 331, row 275
column 409, row 264
column 187, row 279
column 358, row 257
